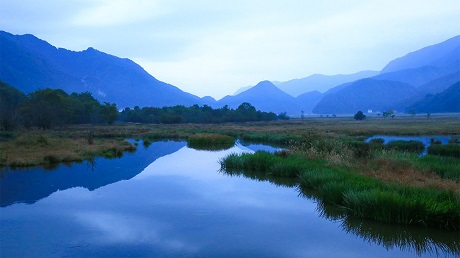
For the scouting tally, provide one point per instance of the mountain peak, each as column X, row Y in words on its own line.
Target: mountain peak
column 265, row 84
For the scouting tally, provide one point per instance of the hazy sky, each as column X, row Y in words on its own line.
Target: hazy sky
column 216, row 47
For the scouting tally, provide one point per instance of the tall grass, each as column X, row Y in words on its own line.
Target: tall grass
column 210, row 142
column 365, row 197
column 261, row 161
column 448, row 150
column 408, row 146
column 445, row 167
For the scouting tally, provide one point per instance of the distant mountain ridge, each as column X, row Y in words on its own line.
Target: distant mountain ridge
column 364, row 95
column 29, row 63
column 320, row 82
column 404, row 81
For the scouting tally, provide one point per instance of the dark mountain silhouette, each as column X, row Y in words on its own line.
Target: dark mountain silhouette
column 29, row 63
column 446, row 101
column 30, row 185
column 320, row 82
column 265, row 96
column 365, row 94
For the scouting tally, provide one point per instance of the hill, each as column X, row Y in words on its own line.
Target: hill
column 365, row 94
column 265, row 96
column 446, row 101
column 29, row 63
column 320, row 82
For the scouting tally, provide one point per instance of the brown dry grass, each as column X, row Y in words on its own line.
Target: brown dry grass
column 38, row 148
column 403, row 172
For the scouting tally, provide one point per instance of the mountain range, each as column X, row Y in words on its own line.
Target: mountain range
column 29, row 63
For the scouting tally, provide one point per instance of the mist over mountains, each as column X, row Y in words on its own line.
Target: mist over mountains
column 29, row 63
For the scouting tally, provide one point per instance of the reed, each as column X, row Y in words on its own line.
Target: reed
column 408, row 146
column 448, row 150
column 365, row 197
column 445, row 167
column 264, row 162
column 210, row 141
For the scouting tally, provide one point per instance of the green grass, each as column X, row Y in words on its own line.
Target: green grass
column 445, row 167
column 365, row 197
column 449, row 150
column 408, row 146
column 210, row 141
column 267, row 163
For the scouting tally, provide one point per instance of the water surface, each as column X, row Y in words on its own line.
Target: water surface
column 168, row 200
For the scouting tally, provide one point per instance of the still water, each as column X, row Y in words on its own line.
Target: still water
column 168, row 200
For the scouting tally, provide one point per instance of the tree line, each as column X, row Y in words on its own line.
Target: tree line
column 47, row 108
column 195, row 114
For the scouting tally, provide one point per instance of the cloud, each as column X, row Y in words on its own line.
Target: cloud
column 215, row 47
column 104, row 13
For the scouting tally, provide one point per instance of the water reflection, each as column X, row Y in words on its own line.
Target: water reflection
column 426, row 140
column 174, row 204
column 408, row 239
column 28, row 185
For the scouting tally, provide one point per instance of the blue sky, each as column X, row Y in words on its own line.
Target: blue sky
column 215, row 47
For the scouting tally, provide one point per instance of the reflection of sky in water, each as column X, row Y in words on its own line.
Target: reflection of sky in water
column 426, row 140
column 179, row 205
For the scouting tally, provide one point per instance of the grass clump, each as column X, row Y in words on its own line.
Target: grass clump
column 447, row 150
column 445, row 167
column 407, row 146
column 264, row 162
column 365, row 197
column 210, row 142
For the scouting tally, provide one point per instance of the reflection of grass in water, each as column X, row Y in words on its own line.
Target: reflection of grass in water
column 420, row 241
column 406, row 238
column 210, row 142
column 262, row 177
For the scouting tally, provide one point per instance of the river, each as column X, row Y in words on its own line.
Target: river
column 168, row 200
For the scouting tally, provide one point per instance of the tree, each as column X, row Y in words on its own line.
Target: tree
column 109, row 112
column 360, row 116
column 10, row 99
column 388, row 113
column 302, row 114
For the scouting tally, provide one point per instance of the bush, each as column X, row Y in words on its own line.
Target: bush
column 359, row 116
